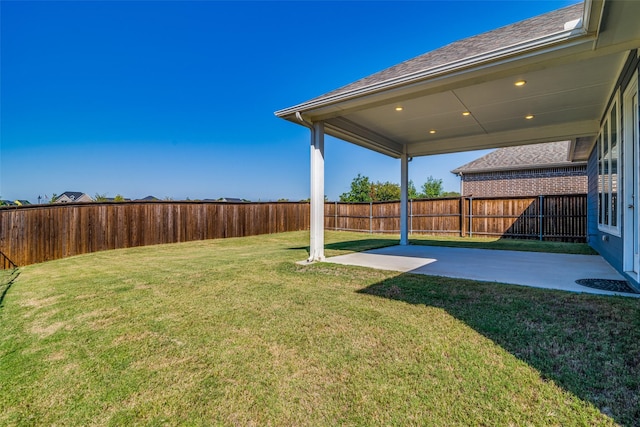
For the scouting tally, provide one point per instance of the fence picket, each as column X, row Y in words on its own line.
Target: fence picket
column 31, row 234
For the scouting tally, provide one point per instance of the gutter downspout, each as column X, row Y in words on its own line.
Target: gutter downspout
column 302, row 121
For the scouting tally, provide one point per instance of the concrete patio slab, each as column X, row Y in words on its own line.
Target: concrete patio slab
column 535, row 269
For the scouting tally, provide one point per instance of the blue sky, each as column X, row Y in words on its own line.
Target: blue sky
column 176, row 99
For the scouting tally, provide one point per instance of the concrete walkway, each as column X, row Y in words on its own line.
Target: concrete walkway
column 540, row 270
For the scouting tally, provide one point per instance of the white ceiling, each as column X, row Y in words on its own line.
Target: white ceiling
column 569, row 97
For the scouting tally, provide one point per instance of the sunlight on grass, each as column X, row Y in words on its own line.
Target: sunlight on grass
column 234, row 332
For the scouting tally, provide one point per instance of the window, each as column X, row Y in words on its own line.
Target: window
column 608, row 157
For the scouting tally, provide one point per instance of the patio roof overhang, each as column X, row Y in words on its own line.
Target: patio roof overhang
column 463, row 96
column 569, row 75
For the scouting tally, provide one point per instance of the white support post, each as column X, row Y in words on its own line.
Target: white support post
column 404, row 197
column 316, row 248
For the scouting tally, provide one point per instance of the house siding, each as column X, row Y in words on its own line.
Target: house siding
column 610, row 246
column 532, row 182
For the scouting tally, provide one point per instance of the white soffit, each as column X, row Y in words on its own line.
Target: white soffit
column 558, row 96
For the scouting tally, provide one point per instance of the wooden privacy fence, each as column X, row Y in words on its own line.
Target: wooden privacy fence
column 40, row 233
column 552, row 218
column 35, row 234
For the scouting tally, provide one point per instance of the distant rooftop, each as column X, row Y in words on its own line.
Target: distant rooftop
column 535, row 156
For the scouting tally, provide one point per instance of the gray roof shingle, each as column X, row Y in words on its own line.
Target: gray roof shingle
column 71, row 194
column 523, row 31
column 536, row 156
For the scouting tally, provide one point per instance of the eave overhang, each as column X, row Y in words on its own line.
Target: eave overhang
column 571, row 74
column 507, row 55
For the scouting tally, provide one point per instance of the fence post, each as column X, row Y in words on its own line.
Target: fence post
column 461, row 224
column 370, row 217
column 541, row 214
column 410, row 216
column 470, row 216
column 335, row 215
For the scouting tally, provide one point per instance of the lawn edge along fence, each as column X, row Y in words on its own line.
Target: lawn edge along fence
column 32, row 234
column 560, row 218
column 37, row 233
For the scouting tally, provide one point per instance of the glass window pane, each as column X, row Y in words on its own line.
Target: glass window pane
column 606, row 156
column 600, row 180
column 614, row 166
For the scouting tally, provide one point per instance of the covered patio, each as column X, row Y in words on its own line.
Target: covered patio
column 533, row 269
column 548, row 78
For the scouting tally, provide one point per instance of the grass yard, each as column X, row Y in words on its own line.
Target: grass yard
column 505, row 244
column 234, row 332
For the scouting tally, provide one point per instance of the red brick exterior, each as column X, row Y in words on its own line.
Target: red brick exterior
column 531, row 182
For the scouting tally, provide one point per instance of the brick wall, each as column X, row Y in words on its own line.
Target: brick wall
column 568, row 180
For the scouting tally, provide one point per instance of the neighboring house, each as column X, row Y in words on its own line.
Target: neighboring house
column 112, row 199
column 231, row 200
column 14, row 203
column 148, row 199
column 73, row 197
column 526, row 170
column 570, row 74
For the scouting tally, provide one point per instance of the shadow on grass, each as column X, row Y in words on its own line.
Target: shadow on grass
column 360, row 245
column 7, row 277
column 353, row 245
column 588, row 345
column 507, row 244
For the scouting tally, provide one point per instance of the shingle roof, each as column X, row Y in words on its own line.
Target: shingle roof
column 520, row 32
column 536, row 156
column 72, row 194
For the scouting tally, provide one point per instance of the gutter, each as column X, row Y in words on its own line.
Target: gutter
column 523, row 167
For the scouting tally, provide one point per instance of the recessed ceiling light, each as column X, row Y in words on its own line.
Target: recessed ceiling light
column 520, row 83
column 466, row 113
column 432, row 131
column 399, row 108
column 529, row 116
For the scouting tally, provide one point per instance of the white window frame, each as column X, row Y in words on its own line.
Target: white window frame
column 606, row 125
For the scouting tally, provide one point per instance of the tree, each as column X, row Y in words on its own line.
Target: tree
column 432, row 188
column 118, row 198
column 360, row 190
column 363, row 190
column 54, row 197
column 100, row 197
column 308, row 200
column 450, row 194
column 412, row 192
column 385, row 191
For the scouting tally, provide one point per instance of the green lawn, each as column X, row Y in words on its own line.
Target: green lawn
column 505, row 244
column 233, row 332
